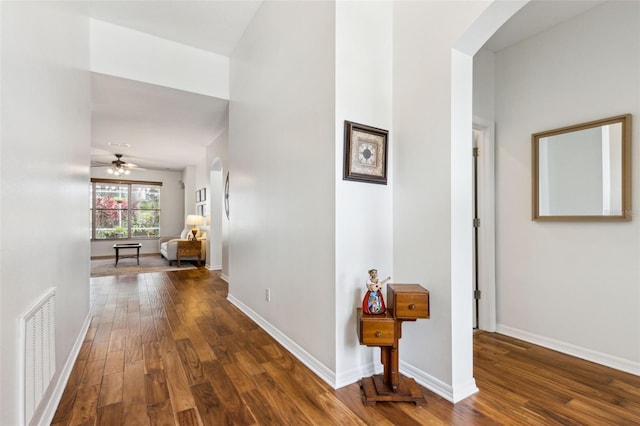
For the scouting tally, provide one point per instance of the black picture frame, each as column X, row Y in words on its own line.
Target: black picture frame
column 197, row 196
column 203, row 194
column 365, row 153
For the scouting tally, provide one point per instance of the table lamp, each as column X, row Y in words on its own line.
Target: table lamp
column 194, row 220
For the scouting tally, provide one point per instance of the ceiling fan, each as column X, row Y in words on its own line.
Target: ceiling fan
column 118, row 167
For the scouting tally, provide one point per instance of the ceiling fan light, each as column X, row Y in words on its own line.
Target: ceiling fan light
column 126, row 172
column 110, row 171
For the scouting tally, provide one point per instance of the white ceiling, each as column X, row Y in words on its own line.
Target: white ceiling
column 536, row 17
column 167, row 127
column 212, row 25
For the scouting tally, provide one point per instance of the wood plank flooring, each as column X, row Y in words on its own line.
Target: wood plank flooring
column 169, row 349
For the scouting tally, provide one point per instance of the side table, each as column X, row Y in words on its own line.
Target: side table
column 406, row 302
column 189, row 248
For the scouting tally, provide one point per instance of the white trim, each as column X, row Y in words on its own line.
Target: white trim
column 296, row 350
column 464, row 390
column 355, row 374
column 224, row 277
column 607, row 360
column 437, row 386
column 428, row 381
column 214, row 267
column 52, row 405
column 487, row 230
column 461, row 213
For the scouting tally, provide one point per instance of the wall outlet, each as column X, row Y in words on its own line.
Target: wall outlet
column 267, row 295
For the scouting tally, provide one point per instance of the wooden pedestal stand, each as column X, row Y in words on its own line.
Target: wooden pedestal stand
column 407, row 303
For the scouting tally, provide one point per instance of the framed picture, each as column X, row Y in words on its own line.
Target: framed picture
column 197, row 196
column 200, row 210
column 365, row 153
column 203, row 194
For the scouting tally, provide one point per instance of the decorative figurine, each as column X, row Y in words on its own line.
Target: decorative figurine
column 373, row 302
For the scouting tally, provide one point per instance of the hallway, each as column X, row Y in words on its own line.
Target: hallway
column 168, row 348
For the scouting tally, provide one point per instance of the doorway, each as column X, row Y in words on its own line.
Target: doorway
column 215, row 209
column 477, row 133
column 484, row 285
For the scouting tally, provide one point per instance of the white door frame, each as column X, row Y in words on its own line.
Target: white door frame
column 487, row 229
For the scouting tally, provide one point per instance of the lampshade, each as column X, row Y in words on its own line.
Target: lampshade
column 194, row 220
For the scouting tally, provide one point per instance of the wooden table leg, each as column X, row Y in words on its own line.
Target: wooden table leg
column 394, row 379
column 385, row 359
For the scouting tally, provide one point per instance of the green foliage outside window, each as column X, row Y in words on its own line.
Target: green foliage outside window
column 125, row 210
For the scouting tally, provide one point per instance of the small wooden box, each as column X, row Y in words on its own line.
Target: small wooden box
column 376, row 330
column 408, row 301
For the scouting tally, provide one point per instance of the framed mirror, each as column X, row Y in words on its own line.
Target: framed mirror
column 583, row 172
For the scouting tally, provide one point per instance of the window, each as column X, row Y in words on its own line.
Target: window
column 124, row 209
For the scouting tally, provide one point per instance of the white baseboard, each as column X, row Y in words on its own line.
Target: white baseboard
column 464, row 390
column 351, row 376
column 296, row 350
column 437, row 386
column 607, row 360
column 214, row 267
column 224, row 278
column 63, row 378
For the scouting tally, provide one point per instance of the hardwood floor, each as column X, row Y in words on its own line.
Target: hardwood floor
column 168, row 348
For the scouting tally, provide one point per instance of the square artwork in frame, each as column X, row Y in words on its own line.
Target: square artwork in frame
column 365, row 153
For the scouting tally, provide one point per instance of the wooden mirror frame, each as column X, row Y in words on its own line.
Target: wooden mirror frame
column 625, row 215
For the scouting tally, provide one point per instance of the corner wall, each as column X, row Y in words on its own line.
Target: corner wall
column 44, row 171
column 282, row 167
column 139, row 56
column 364, row 211
column 424, row 35
column 571, row 286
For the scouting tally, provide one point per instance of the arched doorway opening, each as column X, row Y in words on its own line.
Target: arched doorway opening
column 215, row 248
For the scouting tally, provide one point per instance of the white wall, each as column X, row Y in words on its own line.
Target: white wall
column 572, row 286
column 44, row 170
column 364, row 211
column 135, row 55
column 172, row 214
column 484, row 85
column 282, row 163
column 424, row 35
